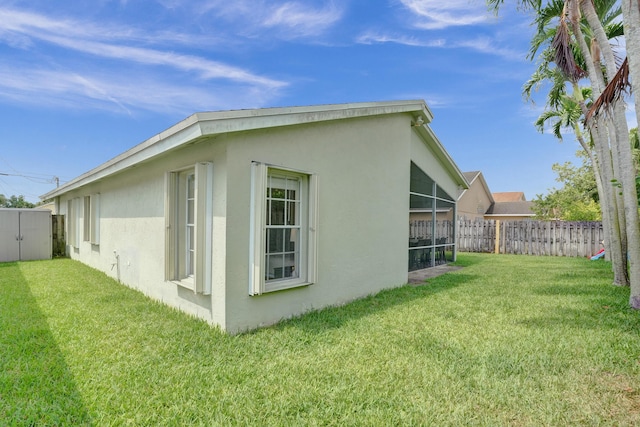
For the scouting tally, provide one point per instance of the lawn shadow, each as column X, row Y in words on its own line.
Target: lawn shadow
column 319, row 321
column 36, row 384
column 588, row 306
column 467, row 259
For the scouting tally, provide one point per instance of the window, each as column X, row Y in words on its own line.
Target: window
column 431, row 222
column 283, row 229
column 73, row 223
column 189, row 227
column 87, row 221
column 91, row 226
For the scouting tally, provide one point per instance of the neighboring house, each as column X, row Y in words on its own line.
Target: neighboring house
column 474, row 202
column 478, row 202
column 510, row 206
column 50, row 206
column 247, row 217
column 510, row 211
column 509, row 196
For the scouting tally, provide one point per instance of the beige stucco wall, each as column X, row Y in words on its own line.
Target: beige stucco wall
column 363, row 168
column 363, row 176
column 474, row 202
column 132, row 224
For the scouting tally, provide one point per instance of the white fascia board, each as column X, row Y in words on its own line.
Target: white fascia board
column 242, row 120
column 181, row 133
column 442, row 154
column 220, row 122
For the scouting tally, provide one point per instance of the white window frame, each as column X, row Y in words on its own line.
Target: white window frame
column 73, row 222
column 91, row 225
column 86, row 235
column 94, row 229
column 306, row 265
column 177, row 262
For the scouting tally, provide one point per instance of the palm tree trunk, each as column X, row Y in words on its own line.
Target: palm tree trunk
column 612, row 216
column 611, row 206
column 606, row 215
column 631, row 22
column 621, row 148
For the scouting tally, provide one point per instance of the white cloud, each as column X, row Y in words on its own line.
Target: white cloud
column 121, row 94
column 491, row 47
column 302, row 19
column 372, row 37
column 59, row 80
column 482, row 45
column 206, row 69
column 290, row 20
column 438, row 14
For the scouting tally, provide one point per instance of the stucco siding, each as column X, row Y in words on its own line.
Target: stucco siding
column 424, row 157
column 363, row 177
column 474, row 203
column 360, row 161
column 132, row 223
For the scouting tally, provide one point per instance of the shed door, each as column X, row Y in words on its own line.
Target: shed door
column 35, row 235
column 9, row 235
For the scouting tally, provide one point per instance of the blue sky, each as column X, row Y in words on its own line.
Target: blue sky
column 83, row 81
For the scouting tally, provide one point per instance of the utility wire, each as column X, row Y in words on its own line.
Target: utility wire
column 38, row 179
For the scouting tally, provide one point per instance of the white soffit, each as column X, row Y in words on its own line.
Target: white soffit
column 220, row 122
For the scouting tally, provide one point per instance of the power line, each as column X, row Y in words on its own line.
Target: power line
column 38, row 179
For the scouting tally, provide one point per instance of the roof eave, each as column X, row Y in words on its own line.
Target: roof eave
column 444, row 157
column 220, row 122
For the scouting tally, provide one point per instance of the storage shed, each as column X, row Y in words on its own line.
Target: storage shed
column 25, row 234
column 247, row 217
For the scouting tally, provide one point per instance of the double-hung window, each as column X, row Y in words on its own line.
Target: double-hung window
column 92, row 219
column 189, row 227
column 283, row 229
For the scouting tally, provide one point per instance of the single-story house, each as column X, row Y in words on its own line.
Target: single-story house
column 478, row 203
column 509, row 196
column 247, row 217
column 511, row 211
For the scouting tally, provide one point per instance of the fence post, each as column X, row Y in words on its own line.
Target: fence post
column 496, row 246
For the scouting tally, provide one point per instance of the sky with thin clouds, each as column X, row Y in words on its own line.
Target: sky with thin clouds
column 83, row 81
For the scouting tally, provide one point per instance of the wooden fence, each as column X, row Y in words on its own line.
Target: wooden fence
column 58, row 241
column 554, row 238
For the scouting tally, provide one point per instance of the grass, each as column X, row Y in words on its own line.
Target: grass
column 507, row 340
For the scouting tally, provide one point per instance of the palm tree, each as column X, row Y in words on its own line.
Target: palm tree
column 554, row 24
column 610, row 133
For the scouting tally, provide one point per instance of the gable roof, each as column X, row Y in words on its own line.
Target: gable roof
column 202, row 125
column 509, row 196
column 472, row 177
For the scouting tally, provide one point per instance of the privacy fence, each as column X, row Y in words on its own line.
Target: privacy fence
column 554, row 238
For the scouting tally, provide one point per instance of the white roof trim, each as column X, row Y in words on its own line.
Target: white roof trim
column 213, row 123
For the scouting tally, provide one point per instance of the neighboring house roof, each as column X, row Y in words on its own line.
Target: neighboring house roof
column 511, row 209
column 203, row 125
column 472, row 177
column 509, row 196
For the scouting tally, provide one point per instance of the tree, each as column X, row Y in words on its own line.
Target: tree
column 609, row 133
column 14, row 202
column 576, row 200
column 562, row 64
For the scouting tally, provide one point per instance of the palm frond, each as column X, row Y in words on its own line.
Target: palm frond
column 564, row 58
column 613, row 92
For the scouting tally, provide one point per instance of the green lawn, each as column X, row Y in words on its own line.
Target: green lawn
column 507, row 340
